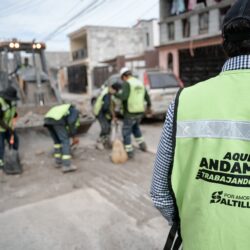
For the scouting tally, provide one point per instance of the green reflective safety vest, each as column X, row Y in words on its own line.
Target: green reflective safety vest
column 99, row 101
column 211, row 169
column 9, row 113
column 136, row 96
column 58, row 112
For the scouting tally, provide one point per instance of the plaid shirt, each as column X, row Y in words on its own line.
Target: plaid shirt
column 160, row 192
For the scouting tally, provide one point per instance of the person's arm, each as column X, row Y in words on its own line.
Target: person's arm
column 106, row 104
column 147, row 99
column 72, row 120
column 160, row 193
column 112, row 108
column 2, row 123
column 124, row 93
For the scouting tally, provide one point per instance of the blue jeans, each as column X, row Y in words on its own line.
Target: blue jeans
column 131, row 126
column 5, row 136
column 105, row 125
column 61, row 140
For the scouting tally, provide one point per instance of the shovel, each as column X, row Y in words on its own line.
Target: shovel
column 12, row 163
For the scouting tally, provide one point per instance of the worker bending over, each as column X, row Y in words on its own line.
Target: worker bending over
column 62, row 122
column 104, row 112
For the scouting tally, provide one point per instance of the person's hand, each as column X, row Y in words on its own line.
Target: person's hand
column 12, row 140
column 112, row 91
column 75, row 141
column 115, row 120
column 149, row 111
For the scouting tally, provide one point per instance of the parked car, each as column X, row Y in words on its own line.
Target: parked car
column 162, row 88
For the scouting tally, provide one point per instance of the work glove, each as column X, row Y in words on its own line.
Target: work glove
column 75, row 141
column 148, row 112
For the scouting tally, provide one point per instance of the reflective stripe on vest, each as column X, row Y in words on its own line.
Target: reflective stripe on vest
column 9, row 113
column 99, row 101
column 58, row 112
column 211, row 169
column 214, row 129
column 136, row 96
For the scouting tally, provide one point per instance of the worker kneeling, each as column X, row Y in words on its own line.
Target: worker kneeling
column 62, row 122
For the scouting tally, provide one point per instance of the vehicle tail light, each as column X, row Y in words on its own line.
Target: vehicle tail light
column 146, row 80
column 181, row 84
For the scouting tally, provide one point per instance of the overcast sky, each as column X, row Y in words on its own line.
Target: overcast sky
column 37, row 19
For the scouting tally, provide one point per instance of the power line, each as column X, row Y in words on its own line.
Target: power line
column 73, row 8
column 13, row 6
column 89, row 8
column 20, row 8
column 149, row 9
column 122, row 10
column 12, row 10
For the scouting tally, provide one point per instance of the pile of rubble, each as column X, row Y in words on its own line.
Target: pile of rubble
column 30, row 119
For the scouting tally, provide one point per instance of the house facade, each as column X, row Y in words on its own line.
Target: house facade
column 92, row 45
column 190, row 38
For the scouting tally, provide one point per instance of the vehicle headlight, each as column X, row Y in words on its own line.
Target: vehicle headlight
column 11, row 45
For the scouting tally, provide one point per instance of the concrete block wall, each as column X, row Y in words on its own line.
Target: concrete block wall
column 163, row 33
column 214, row 21
column 148, row 28
column 178, row 30
column 107, row 43
column 165, row 6
column 194, row 25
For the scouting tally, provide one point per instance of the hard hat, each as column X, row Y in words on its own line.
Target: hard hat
column 240, row 10
column 123, row 71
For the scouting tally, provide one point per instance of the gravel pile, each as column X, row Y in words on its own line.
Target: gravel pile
column 30, row 119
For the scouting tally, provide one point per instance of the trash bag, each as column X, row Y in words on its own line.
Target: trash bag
column 12, row 164
column 118, row 155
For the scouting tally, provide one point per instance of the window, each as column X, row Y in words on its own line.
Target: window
column 170, row 31
column 170, row 62
column 163, row 80
column 147, row 39
column 203, row 23
column 185, row 28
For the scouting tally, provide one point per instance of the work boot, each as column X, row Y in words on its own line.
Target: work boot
column 130, row 154
column 143, row 147
column 99, row 146
column 58, row 165
column 107, row 143
column 66, row 169
column 58, row 162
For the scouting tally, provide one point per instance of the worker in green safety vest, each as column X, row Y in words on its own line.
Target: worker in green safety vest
column 62, row 122
column 105, row 113
column 8, row 103
column 201, row 177
column 133, row 97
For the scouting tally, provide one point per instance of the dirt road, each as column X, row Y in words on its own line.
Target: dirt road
column 101, row 206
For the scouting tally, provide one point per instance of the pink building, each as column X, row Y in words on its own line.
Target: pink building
column 190, row 38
